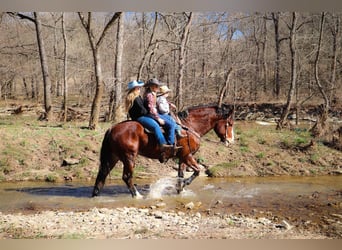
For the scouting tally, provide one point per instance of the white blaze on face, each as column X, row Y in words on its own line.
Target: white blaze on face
column 229, row 136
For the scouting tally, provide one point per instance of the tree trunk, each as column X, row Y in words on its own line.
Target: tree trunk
column 184, row 41
column 115, row 112
column 65, row 68
column 335, row 33
column 291, row 92
column 264, row 53
column 150, row 47
column 56, row 81
column 95, row 45
column 45, row 69
column 321, row 125
column 276, row 89
column 96, row 105
column 225, row 87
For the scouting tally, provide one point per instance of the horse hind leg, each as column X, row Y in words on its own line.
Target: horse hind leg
column 127, row 177
column 105, row 167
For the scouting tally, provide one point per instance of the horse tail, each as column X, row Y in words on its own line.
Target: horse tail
column 105, row 162
column 105, row 150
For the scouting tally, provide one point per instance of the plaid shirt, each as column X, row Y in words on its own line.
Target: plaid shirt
column 151, row 104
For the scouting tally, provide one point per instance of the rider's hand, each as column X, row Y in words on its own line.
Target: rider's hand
column 161, row 121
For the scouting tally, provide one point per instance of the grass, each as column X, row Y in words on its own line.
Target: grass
column 265, row 150
column 35, row 150
column 221, row 168
column 43, row 146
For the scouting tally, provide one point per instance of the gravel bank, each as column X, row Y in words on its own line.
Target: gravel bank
column 143, row 223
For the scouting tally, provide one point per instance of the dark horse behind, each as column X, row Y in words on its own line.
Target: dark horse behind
column 126, row 140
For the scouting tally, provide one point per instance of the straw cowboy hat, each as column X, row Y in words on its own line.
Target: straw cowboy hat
column 163, row 90
column 133, row 84
column 152, row 81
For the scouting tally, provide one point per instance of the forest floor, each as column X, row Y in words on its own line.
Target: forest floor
column 33, row 150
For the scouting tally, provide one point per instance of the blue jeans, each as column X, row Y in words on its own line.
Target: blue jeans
column 170, row 126
column 153, row 126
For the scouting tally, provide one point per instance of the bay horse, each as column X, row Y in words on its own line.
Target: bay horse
column 128, row 139
column 224, row 129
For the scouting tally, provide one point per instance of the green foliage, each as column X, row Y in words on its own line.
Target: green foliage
column 244, row 149
column 260, row 155
column 222, row 167
column 51, row 178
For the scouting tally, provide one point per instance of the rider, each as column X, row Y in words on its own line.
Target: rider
column 164, row 105
column 137, row 112
column 150, row 102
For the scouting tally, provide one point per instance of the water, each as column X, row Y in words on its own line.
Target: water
column 226, row 193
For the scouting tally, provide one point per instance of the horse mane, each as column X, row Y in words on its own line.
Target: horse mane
column 185, row 113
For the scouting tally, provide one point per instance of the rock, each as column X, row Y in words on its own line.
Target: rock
column 70, row 161
column 160, row 205
column 189, row 205
column 284, row 225
column 158, row 215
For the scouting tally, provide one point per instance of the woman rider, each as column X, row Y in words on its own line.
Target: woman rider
column 150, row 102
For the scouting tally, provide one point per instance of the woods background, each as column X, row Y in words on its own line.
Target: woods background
column 67, row 60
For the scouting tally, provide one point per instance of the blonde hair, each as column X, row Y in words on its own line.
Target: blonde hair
column 130, row 97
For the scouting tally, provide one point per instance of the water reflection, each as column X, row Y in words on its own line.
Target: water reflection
column 256, row 192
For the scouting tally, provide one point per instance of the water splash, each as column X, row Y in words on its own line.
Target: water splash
column 164, row 186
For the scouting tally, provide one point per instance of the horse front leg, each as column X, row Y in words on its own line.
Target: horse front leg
column 191, row 162
column 127, row 177
column 180, row 185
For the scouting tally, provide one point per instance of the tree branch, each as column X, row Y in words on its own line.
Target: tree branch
column 109, row 24
column 22, row 16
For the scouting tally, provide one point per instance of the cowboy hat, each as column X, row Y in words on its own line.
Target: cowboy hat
column 133, row 84
column 152, row 81
column 163, row 90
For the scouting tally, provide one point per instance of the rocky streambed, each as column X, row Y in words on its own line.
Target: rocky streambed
column 144, row 223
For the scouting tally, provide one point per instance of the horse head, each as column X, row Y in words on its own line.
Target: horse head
column 224, row 128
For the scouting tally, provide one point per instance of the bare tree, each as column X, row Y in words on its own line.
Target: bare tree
column 264, row 53
column 65, row 69
column 45, row 69
column 158, row 44
column 115, row 102
column 182, row 50
column 150, row 47
column 321, row 124
column 335, row 31
column 43, row 61
column 56, row 76
column 292, row 88
column 278, row 40
column 224, row 88
column 95, row 46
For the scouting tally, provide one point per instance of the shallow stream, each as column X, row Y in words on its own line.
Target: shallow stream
column 289, row 197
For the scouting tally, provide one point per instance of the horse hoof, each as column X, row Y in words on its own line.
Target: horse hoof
column 138, row 196
column 180, row 185
column 95, row 192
